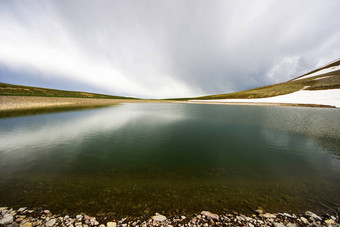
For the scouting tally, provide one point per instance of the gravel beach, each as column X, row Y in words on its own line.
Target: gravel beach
column 41, row 217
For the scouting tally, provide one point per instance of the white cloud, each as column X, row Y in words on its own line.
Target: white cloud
column 47, row 47
column 168, row 48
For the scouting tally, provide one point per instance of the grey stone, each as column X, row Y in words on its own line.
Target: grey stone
column 259, row 211
column 311, row 214
column 14, row 224
column 276, row 224
column 3, row 208
column 330, row 222
column 7, row 219
column 210, row 215
column 79, row 217
column 111, row 224
column 304, row 220
column 93, row 221
column 51, row 223
column 22, row 209
column 268, row 215
column 121, row 221
column 27, row 224
column 159, row 217
column 287, row 215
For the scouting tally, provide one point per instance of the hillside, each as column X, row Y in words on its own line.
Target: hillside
column 326, row 77
column 18, row 90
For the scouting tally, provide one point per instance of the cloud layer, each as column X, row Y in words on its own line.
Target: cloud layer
column 159, row 49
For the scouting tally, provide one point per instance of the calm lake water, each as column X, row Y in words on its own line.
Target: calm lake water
column 138, row 159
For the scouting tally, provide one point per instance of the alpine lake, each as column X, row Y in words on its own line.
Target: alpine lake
column 141, row 158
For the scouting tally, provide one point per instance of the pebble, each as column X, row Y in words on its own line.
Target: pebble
column 111, row 224
column 159, row 217
column 7, row 219
column 330, row 222
column 14, row 224
column 291, row 225
column 268, row 215
column 259, row 211
column 27, row 224
column 79, row 217
column 205, row 218
column 22, row 209
column 287, row 215
column 121, row 221
column 311, row 214
column 304, row 220
column 50, row 223
column 210, row 215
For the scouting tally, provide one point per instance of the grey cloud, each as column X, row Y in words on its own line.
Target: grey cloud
column 191, row 47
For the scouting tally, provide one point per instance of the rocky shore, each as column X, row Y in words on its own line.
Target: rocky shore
column 24, row 217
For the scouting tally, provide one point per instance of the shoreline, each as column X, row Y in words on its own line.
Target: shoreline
column 25, row 217
column 260, row 104
column 14, row 103
column 20, row 103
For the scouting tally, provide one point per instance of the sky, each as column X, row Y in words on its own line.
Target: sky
column 164, row 48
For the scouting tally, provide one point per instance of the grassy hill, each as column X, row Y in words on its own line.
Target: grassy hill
column 329, row 80
column 18, row 90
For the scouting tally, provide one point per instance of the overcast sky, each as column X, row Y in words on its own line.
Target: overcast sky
column 164, row 48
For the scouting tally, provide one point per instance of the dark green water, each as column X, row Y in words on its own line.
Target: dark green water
column 138, row 159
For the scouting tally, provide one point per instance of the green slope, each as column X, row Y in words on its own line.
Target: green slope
column 331, row 82
column 18, row 90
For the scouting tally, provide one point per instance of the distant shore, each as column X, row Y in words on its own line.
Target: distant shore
column 259, row 104
column 26, row 103
column 12, row 103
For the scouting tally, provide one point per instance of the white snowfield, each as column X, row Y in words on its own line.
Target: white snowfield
column 321, row 72
column 329, row 97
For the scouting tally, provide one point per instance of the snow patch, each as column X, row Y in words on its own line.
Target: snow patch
column 320, row 78
column 329, row 97
column 321, row 72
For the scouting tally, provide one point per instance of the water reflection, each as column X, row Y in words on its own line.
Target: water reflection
column 140, row 158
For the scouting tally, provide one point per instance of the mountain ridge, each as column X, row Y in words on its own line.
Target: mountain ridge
column 330, row 79
column 20, row 90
